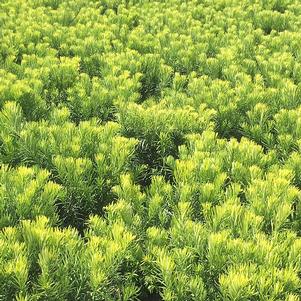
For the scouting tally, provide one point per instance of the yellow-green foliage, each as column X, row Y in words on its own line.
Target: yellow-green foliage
column 150, row 150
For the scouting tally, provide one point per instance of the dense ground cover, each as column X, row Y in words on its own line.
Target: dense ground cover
column 150, row 150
